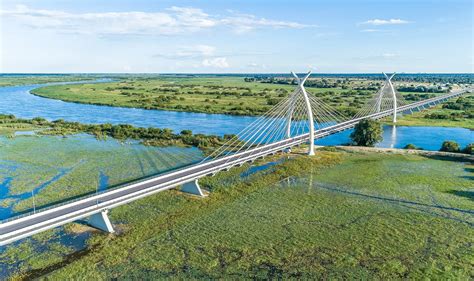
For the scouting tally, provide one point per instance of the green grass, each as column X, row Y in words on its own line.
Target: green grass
column 344, row 216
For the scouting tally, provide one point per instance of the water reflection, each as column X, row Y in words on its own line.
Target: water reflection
column 393, row 137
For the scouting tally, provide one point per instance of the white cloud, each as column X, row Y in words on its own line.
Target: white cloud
column 171, row 21
column 378, row 57
column 190, row 52
column 255, row 65
column 245, row 22
column 205, row 50
column 370, row 30
column 389, row 55
column 385, row 22
column 220, row 62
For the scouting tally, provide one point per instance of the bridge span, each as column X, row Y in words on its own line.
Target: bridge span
column 246, row 147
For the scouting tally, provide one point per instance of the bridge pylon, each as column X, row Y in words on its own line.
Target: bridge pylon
column 386, row 99
column 394, row 95
column 309, row 111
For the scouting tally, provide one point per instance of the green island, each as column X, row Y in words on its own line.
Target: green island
column 338, row 215
column 251, row 96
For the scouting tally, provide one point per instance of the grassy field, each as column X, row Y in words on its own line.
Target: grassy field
column 339, row 215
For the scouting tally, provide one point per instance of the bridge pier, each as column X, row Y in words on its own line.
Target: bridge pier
column 193, row 188
column 101, row 221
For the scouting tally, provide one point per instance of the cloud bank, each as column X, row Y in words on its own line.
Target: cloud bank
column 171, row 21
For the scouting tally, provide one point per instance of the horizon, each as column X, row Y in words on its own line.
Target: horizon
column 231, row 73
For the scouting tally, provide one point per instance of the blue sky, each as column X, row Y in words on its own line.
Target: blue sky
column 47, row 36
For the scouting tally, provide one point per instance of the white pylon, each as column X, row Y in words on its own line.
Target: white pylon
column 301, row 82
column 394, row 96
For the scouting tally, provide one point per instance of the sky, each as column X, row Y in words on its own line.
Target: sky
column 217, row 36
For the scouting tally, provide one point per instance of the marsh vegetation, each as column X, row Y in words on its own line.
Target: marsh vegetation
column 335, row 215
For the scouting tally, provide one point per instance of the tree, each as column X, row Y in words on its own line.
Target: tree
column 450, row 146
column 367, row 133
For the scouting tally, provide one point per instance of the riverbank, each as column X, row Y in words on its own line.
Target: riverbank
column 336, row 215
column 428, row 153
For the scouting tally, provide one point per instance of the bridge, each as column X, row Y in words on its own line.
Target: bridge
column 301, row 118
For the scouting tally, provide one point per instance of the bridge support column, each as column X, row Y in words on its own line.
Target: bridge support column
column 101, row 221
column 193, row 188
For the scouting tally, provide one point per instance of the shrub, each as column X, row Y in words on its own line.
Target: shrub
column 468, row 149
column 271, row 101
column 412, row 146
column 450, row 146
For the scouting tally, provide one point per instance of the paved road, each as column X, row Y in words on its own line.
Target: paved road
column 46, row 219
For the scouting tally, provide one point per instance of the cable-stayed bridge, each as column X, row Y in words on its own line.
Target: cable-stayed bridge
column 301, row 118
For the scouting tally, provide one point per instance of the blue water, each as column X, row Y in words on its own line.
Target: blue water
column 103, row 181
column 254, row 169
column 428, row 138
